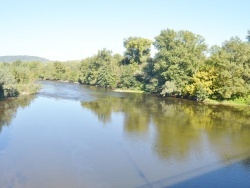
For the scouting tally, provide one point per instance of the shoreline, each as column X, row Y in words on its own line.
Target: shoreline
column 224, row 103
column 128, row 91
column 205, row 102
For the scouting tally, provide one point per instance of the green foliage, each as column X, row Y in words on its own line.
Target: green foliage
column 59, row 73
column 181, row 66
column 27, row 89
column 180, row 55
column 169, row 88
column 105, row 77
column 24, row 73
column 243, row 100
column 18, row 78
column 7, row 84
column 128, row 79
column 232, row 67
column 72, row 71
column 63, row 71
column 201, row 85
column 6, row 77
column 47, row 71
column 103, row 69
column 137, row 49
column 151, row 86
column 97, row 70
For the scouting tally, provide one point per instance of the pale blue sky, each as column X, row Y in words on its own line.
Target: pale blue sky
column 75, row 29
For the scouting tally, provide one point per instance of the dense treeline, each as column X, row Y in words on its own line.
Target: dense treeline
column 18, row 78
column 183, row 66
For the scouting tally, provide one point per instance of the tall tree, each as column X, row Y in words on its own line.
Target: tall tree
column 231, row 63
column 180, row 54
column 137, row 49
column 102, row 69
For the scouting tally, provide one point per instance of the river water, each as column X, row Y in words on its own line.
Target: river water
column 70, row 135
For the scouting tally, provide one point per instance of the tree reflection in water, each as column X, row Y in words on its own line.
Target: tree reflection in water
column 180, row 125
column 8, row 108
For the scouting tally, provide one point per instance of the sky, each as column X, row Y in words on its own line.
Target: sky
column 75, row 29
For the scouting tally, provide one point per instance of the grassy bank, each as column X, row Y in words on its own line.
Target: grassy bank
column 17, row 90
column 128, row 91
column 28, row 89
column 226, row 102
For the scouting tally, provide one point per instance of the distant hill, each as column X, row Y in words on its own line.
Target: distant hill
column 23, row 58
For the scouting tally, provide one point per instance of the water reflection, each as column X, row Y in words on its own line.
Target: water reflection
column 148, row 140
column 137, row 118
column 8, row 108
column 181, row 127
column 246, row 163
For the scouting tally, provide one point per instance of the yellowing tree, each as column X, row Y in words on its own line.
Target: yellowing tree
column 202, row 84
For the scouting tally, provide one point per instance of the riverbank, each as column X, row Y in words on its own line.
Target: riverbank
column 128, row 91
column 225, row 103
column 206, row 101
column 19, row 90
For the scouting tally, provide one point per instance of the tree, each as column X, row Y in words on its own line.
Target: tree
column 127, row 79
column 101, row 69
column 72, row 71
column 231, row 63
column 201, row 86
column 23, row 73
column 180, row 55
column 7, row 84
column 106, row 77
column 59, row 68
column 168, row 88
column 148, row 77
column 137, row 49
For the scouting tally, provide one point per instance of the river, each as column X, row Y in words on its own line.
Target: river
column 70, row 135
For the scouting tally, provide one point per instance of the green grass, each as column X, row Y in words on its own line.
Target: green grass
column 236, row 102
column 128, row 91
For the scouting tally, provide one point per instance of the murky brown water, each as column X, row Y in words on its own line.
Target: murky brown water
column 77, row 136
